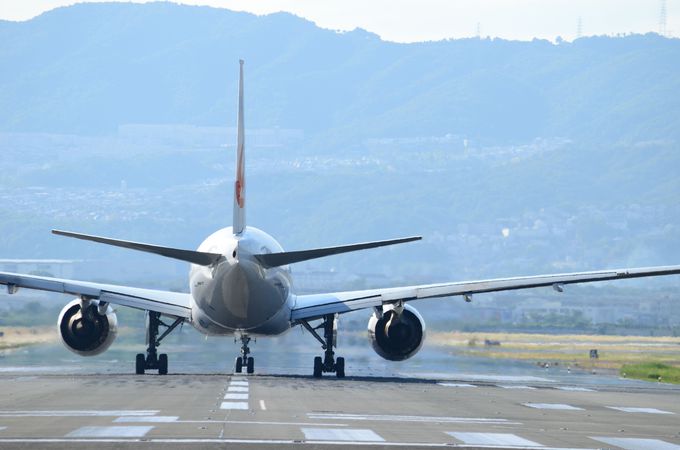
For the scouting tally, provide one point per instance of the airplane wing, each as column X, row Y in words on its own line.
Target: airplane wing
column 169, row 303
column 309, row 307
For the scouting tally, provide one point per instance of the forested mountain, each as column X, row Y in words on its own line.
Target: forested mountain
column 92, row 67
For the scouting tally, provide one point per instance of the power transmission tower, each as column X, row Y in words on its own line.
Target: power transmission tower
column 663, row 30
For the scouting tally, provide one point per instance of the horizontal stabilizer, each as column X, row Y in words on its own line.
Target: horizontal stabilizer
column 200, row 258
column 284, row 258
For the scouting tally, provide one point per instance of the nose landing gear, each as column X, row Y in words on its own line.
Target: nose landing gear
column 244, row 360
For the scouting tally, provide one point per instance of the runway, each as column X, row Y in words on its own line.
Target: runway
column 117, row 410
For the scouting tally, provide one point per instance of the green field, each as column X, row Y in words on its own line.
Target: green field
column 637, row 356
column 652, row 371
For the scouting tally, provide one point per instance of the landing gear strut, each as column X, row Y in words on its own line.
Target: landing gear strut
column 152, row 360
column 244, row 360
column 329, row 363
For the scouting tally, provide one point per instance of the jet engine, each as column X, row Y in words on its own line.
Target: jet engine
column 397, row 333
column 89, row 332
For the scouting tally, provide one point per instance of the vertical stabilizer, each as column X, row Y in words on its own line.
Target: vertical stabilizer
column 240, row 183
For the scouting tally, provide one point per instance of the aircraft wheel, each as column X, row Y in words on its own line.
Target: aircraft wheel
column 250, row 366
column 340, row 367
column 140, row 364
column 238, row 365
column 163, row 364
column 318, row 367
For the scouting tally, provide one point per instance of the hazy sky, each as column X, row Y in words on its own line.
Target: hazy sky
column 418, row 20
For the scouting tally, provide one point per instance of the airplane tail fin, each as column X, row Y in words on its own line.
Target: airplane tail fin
column 240, row 184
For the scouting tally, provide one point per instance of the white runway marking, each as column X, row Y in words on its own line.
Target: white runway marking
column 157, row 419
column 188, row 441
column 234, row 405
column 263, row 442
column 391, row 418
column 574, row 389
column 639, row 410
column 261, row 422
column 94, row 432
column 343, row 434
column 560, row 406
column 514, row 386
column 237, row 389
column 461, row 385
column 3, row 428
column 263, row 407
column 38, row 369
column 500, row 439
column 236, row 397
column 637, row 444
column 79, row 413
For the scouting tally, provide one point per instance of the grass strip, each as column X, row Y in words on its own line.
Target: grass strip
column 652, row 371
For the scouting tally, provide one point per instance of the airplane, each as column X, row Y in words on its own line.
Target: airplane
column 240, row 285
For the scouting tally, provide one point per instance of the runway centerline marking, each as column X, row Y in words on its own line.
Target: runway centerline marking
column 237, row 396
column 460, row 385
column 341, row 434
column 238, row 383
column 263, row 407
column 500, row 439
column 397, row 418
column 514, row 386
column 637, row 443
column 94, row 432
column 555, row 406
column 630, row 409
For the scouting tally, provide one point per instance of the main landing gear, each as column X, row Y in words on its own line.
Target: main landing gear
column 152, row 360
column 329, row 363
column 244, row 360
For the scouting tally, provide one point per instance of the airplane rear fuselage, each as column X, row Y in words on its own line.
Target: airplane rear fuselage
column 239, row 295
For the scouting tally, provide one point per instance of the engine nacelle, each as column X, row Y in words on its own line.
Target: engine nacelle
column 396, row 337
column 87, row 334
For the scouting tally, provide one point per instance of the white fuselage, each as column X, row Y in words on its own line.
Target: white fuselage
column 238, row 295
